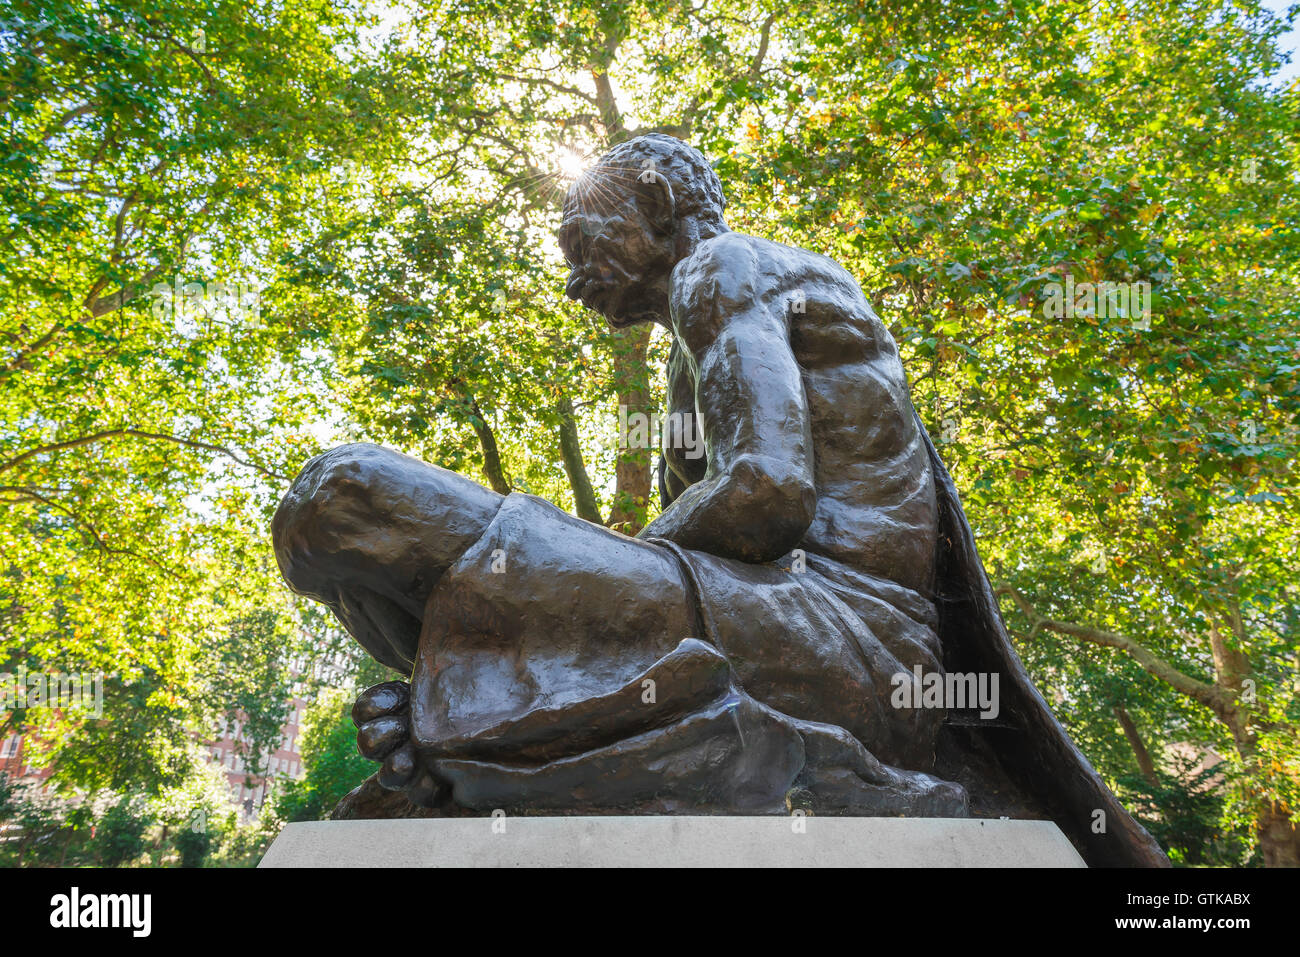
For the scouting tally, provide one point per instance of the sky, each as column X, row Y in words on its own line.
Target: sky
column 1288, row 42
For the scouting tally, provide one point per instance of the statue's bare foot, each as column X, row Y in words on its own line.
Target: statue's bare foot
column 841, row 776
column 382, row 715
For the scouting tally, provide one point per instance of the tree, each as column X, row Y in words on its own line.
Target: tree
column 1128, row 467
column 155, row 156
column 120, row 833
column 452, row 350
column 331, row 764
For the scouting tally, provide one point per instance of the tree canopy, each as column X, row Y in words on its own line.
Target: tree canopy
column 238, row 233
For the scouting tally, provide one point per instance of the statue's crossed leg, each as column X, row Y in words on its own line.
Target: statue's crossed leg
column 714, row 749
column 559, row 665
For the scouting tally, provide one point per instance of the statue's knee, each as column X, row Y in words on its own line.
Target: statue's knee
column 320, row 508
column 362, row 512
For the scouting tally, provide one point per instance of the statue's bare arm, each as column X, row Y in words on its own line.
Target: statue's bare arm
column 757, row 497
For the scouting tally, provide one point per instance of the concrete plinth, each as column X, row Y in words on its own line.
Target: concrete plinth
column 673, row 841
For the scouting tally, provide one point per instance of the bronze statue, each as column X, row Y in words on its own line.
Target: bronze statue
column 788, row 633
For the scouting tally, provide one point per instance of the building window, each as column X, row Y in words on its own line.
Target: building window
column 10, row 746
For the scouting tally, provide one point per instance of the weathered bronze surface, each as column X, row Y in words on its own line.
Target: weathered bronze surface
column 740, row 654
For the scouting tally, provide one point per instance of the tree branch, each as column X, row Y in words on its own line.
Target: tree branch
column 1140, row 752
column 85, row 525
column 26, row 351
column 610, row 115
column 764, row 36
column 1199, row 691
column 67, row 117
column 584, row 496
column 138, row 433
column 537, row 80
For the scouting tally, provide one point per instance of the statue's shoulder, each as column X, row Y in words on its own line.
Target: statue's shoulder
column 725, row 274
column 727, row 254
column 755, row 264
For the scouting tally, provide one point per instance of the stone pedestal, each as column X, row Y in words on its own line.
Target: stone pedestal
column 673, row 841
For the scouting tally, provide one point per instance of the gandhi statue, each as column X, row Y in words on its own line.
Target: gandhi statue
column 742, row 654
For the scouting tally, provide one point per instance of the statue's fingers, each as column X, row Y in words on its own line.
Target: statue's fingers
column 398, row 769
column 387, row 698
column 378, row 739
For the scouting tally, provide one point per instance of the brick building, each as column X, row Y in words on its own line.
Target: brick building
column 249, row 790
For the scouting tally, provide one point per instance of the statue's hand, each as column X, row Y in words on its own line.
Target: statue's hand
column 382, row 716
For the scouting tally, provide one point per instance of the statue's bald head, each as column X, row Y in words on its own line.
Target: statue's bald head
column 630, row 217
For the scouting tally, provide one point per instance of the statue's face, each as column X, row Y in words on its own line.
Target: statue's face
column 621, row 260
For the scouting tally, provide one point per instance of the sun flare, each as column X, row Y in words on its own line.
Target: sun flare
column 570, row 163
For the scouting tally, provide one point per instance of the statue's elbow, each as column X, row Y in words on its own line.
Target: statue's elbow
column 775, row 505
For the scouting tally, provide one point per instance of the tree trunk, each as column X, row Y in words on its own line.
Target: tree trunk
column 632, row 471
column 496, row 475
column 1279, row 839
column 1145, row 764
column 584, row 496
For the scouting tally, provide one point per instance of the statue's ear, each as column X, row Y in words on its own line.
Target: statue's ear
column 654, row 196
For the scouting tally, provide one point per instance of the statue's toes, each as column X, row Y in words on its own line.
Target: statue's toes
column 424, row 790
column 391, row 697
column 398, row 769
column 378, row 739
column 949, row 799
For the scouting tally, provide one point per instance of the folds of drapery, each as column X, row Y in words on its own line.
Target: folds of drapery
column 563, row 662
